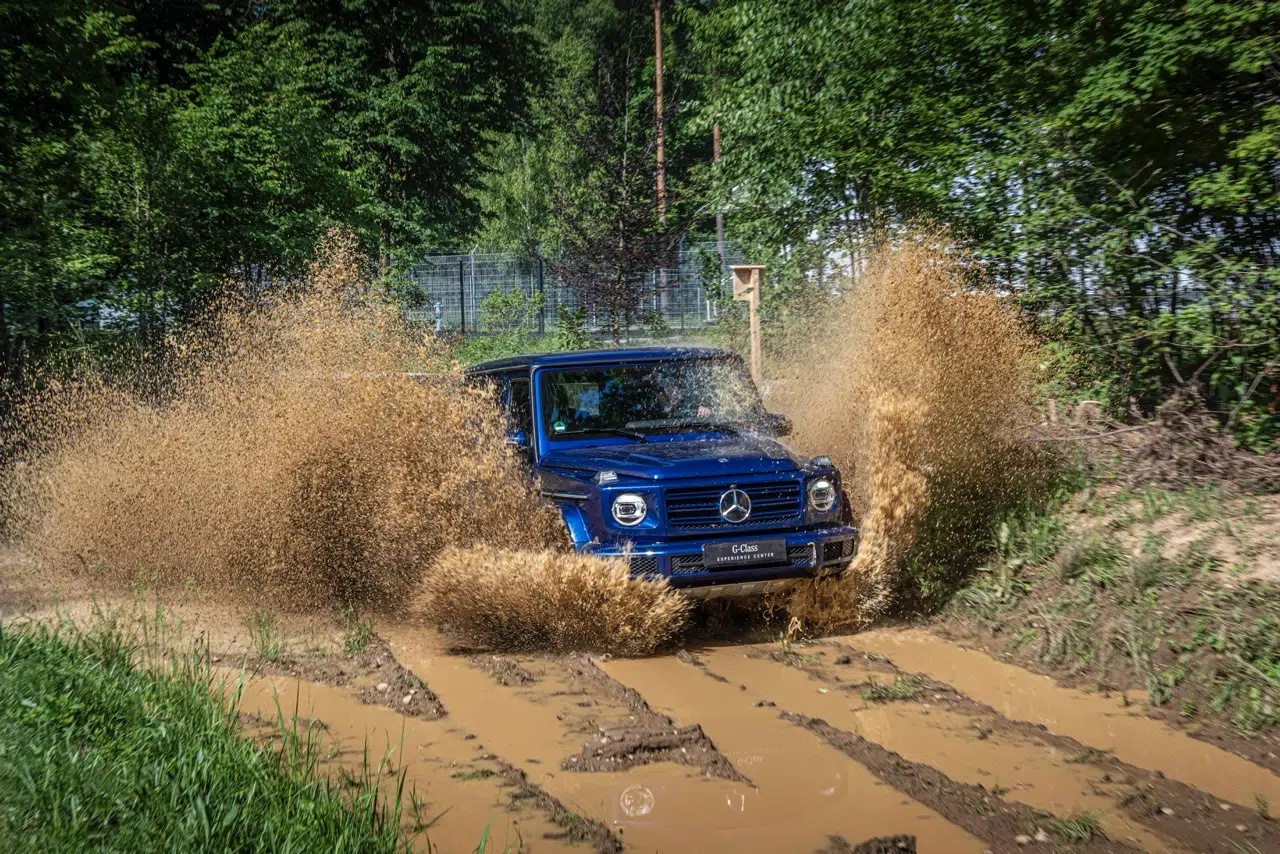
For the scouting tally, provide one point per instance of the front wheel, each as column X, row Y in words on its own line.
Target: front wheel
column 846, row 509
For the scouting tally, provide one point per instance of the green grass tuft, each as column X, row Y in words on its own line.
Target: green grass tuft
column 357, row 634
column 267, row 643
column 902, row 688
column 107, row 745
column 1078, row 827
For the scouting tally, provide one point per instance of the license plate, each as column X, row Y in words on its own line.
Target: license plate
column 753, row 553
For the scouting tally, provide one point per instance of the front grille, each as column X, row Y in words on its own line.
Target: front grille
column 773, row 503
column 686, row 564
column 644, row 565
column 800, row 555
column 837, row 549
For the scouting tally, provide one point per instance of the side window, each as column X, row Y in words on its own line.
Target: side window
column 519, row 404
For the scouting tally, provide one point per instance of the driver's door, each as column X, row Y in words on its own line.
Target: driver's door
column 517, row 404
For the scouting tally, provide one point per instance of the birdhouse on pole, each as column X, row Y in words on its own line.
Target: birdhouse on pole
column 746, row 287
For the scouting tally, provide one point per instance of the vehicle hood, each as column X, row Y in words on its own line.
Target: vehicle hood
column 664, row 460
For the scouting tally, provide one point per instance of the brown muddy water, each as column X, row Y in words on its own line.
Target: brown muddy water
column 462, row 792
column 1102, row 722
column 799, row 792
column 773, row 746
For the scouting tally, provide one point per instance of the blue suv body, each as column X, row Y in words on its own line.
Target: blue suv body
column 666, row 455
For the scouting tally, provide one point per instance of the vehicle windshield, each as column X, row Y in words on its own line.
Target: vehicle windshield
column 634, row 400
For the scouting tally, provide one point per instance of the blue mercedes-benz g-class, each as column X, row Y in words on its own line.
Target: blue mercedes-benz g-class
column 667, row 455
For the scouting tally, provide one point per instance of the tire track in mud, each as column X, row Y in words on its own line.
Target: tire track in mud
column 965, row 738
column 963, row 792
column 1005, row 827
column 648, row 739
column 1169, row 806
column 665, row 806
column 463, row 790
column 926, row 733
column 804, row 791
column 1105, row 723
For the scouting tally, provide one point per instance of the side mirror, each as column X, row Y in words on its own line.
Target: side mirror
column 777, row 423
column 518, row 439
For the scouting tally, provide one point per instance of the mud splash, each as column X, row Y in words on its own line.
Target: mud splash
column 550, row 601
column 294, row 457
column 300, row 453
column 919, row 389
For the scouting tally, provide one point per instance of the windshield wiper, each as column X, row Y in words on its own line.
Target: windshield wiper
column 617, row 431
column 724, row 426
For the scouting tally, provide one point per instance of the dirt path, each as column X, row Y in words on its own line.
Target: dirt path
column 742, row 747
column 804, row 791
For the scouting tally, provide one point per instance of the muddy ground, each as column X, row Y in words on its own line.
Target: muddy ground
column 891, row 740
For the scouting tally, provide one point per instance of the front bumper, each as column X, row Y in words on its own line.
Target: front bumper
column 812, row 553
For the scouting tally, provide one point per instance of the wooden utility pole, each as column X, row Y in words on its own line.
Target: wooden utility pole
column 715, row 156
column 662, row 168
column 657, row 62
column 746, row 287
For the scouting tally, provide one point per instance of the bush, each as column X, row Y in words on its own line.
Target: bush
column 573, row 334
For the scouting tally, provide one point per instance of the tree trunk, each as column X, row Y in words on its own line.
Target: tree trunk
column 384, row 241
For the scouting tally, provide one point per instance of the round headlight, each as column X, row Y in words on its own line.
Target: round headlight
column 629, row 509
column 822, row 495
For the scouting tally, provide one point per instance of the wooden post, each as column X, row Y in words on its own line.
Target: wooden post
column 746, row 286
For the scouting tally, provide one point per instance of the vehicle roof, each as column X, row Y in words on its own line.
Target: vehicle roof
column 597, row 357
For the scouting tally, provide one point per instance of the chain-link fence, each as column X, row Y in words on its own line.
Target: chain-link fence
column 454, row 288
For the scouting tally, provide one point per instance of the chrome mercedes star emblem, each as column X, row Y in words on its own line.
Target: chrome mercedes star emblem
column 735, row 506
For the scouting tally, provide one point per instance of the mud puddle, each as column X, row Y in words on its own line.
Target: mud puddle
column 1101, row 722
column 653, row 807
column 804, row 791
column 810, row 793
column 921, row 731
column 463, row 790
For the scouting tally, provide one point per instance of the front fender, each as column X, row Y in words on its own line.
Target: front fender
column 575, row 520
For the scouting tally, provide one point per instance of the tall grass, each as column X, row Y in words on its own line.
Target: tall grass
column 106, row 746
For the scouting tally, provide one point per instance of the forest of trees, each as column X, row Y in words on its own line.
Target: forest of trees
column 1115, row 164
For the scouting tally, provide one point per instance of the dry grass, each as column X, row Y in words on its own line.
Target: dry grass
column 505, row 599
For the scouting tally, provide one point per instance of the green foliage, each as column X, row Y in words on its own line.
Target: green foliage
column 356, row 633
column 578, row 183
column 102, row 748
column 656, row 326
column 510, row 312
column 268, row 645
column 1077, row 827
column 571, row 332
column 510, row 321
column 1070, row 374
column 150, row 151
column 1181, row 635
column 1111, row 170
